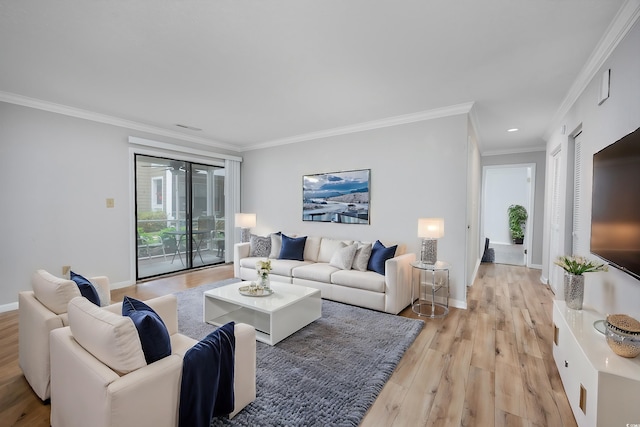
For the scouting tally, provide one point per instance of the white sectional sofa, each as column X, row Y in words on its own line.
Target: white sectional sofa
column 390, row 292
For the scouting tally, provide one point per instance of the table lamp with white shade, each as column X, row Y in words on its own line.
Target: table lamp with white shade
column 430, row 229
column 245, row 221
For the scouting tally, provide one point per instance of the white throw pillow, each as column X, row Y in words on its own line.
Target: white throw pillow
column 343, row 258
column 276, row 245
column 111, row 338
column 361, row 259
column 53, row 292
column 328, row 247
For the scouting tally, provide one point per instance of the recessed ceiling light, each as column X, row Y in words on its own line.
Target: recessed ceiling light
column 512, row 130
column 188, row 127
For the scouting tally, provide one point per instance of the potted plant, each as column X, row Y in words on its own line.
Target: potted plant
column 517, row 217
column 574, row 268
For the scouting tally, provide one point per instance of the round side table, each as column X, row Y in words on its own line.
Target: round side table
column 433, row 282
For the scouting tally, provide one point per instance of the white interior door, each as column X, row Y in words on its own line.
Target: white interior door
column 555, row 272
column 504, row 185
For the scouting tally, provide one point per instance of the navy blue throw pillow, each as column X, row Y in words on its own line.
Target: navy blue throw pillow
column 152, row 331
column 379, row 255
column 292, row 248
column 87, row 289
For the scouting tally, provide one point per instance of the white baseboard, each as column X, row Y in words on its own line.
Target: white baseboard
column 536, row 266
column 544, row 280
column 120, row 285
column 475, row 273
column 457, row 303
column 9, row 307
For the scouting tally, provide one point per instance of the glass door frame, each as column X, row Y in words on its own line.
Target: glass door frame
column 190, row 163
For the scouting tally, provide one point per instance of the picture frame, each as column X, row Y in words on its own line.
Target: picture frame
column 338, row 197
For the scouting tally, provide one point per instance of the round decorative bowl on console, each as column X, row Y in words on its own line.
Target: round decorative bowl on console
column 623, row 335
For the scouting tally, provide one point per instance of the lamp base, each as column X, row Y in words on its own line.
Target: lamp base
column 429, row 252
column 245, row 235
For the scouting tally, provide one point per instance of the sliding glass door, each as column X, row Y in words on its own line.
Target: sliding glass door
column 179, row 215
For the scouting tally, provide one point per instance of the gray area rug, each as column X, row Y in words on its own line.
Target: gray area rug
column 327, row 374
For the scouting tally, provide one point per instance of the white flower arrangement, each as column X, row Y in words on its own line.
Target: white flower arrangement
column 263, row 268
column 579, row 265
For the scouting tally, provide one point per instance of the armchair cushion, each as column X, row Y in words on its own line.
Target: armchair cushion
column 109, row 337
column 86, row 288
column 53, row 292
column 152, row 331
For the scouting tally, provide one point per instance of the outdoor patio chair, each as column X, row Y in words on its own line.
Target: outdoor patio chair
column 171, row 245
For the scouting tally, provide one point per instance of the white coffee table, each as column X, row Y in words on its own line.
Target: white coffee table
column 275, row 317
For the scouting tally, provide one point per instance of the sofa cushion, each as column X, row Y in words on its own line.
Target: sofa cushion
column 361, row 259
column 329, row 246
column 292, row 248
column 154, row 337
column 109, row 337
column 260, row 246
column 319, row 272
column 276, row 244
column 284, row 267
column 367, row 280
column 343, row 258
column 250, row 262
column 86, row 288
column 311, row 248
column 53, row 292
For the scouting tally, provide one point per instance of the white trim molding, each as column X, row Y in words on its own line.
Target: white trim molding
column 9, row 307
column 437, row 113
column 619, row 27
column 39, row 104
column 180, row 149
column 514, row 151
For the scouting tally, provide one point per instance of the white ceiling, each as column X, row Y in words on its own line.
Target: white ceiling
column 258, row 73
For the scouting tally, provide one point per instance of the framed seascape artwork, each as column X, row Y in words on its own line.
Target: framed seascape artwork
column 341, row 197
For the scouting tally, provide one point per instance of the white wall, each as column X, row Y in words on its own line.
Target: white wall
column 538, row 158
column 504, row 186
column 602, row 125
column 474, row 184
column 57, row 172
column 417, row 170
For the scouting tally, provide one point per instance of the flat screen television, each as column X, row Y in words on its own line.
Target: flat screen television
column 615, row 210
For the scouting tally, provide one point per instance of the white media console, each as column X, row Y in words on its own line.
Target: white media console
column 602, row 387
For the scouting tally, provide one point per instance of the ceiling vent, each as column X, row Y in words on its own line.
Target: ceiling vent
column 188, row 127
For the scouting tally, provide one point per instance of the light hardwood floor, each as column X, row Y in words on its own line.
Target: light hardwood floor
column 489, row 365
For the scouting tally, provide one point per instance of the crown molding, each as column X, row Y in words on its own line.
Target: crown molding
column 452, row 110
column 522, row 150
column 39, row 104
column 619, row 27
column 149, row 143
column 473, row 117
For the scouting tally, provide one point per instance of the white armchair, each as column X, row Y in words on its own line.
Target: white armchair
column 40, row 311
column 100, row 379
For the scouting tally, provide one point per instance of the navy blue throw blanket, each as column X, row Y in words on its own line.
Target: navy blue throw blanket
column 207, row 379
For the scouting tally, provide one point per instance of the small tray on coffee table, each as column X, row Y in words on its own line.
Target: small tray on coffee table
column 248, row 291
